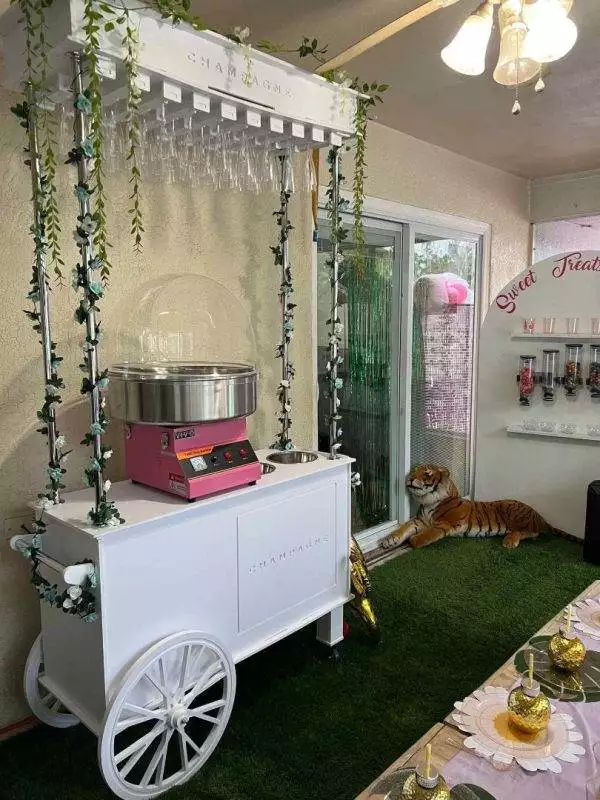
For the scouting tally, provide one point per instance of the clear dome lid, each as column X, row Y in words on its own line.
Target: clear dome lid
column 184, row 318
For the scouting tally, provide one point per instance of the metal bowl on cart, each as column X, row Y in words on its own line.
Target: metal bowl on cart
column 181, row 393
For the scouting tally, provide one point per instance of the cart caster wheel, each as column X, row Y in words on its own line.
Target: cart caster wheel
column 335, row 655
column 166, row 715
column 43, row 703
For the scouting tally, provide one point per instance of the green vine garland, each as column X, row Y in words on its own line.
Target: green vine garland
column 283, row 439
column 92, row 19
column 106, row 513
column 339, row 234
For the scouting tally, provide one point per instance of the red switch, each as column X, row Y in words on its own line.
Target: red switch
column 243, row 452
column 228, row 456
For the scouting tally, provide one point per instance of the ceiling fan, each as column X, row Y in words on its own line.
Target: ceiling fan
column 533, row 33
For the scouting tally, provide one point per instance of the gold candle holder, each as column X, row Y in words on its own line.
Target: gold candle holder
column 425, row 783
column 566, row 650
column 419, row 787
column 528, row 707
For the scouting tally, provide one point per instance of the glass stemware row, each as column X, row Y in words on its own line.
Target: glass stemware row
column 177, row 146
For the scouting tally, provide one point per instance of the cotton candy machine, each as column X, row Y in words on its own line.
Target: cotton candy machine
column 185, row 386
column 185, row 427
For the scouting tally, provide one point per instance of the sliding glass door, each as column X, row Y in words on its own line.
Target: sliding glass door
column 368, row 313
column 410, row 319
column 443, row 353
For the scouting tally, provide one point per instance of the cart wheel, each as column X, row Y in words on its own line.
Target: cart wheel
column 43, row 703
column 335, row 655
column 167, row 715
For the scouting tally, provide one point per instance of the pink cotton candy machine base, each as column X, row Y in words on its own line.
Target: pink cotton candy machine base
column 192, row 461
column 185, row 429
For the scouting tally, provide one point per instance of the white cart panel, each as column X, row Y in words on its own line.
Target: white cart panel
column 286, row 556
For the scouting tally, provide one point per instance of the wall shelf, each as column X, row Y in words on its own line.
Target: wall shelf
column 519, row 430
column 583, row 338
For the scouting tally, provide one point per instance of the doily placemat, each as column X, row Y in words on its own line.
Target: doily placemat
column 390, row 787
column 582, row 686
column 586, row 617
column 484, row 716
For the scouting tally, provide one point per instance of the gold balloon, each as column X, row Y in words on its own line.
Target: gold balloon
column 566, row 651
column 528, row 708
column 361, row 589
column 412, row 789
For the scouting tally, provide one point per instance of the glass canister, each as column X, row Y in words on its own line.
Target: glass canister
column 526, row 379
column 572, row 378
column 550, row 374
column 594, row 370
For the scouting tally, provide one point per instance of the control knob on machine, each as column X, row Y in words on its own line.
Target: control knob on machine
column 228, row 455
column 243, row 452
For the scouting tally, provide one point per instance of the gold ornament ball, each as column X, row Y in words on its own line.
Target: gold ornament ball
column 566, row 651
column 412, row 790
column 528, row 709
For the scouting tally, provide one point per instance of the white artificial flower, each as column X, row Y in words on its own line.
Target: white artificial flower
column 242, row 33
column 61, row 441
column 74, row 592
column 113, row 522
column 108, row 454
column 107, row 485
column 44, row 503
column 67, row 603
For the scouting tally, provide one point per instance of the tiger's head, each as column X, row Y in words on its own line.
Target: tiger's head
column 429, row 485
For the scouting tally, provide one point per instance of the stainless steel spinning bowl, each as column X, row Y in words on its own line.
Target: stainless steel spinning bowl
column 293, row 457
column 179, row 393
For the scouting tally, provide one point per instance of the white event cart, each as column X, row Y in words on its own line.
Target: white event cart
column 185, row 591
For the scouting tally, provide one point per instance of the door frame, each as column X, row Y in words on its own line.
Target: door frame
column 410, row 221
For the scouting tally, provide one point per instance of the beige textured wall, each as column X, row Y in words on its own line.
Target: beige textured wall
column 225, row 237
column 413, row 172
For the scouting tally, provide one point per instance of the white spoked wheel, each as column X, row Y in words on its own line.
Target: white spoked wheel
column 167, row 716
column 43, row 703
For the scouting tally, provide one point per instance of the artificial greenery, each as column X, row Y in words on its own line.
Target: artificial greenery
column 52, row 397
column 26, row 112
column 370, row 95
column 36, row 74
column 92, row 20
column 283, row 440
column 86, row 278
column 335, row 206
column 74, row 600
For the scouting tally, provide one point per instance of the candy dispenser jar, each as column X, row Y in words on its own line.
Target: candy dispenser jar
column 526, row 379
column 550, row 374
column 572, row 369
column 594, row 371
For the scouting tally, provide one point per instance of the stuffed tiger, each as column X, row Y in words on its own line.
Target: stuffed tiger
column 443, row 513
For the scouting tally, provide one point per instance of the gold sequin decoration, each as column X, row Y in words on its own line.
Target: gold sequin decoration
column 566, row 653
column 528, row 714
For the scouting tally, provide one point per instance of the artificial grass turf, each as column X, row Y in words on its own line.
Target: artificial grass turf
column 303, row 728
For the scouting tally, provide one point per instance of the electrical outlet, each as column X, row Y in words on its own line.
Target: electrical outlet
column 12, row 525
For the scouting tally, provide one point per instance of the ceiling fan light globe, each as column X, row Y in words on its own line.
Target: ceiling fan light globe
column 547, row 44
column 515, row 63
column 466, row 52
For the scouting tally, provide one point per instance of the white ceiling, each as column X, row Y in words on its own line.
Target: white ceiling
column 557, row 132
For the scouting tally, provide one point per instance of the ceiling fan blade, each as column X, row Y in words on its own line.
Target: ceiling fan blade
column 405, row 21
